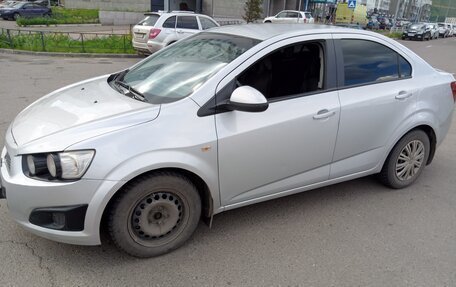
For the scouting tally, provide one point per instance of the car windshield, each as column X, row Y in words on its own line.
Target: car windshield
column 176, row 72
column 18, row 5
column 416, row 26
column 149, row 20
column 441, row 25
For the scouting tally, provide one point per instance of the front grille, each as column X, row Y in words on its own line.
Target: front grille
column 8, row 162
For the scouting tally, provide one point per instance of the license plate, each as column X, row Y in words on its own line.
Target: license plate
column 139, row 35
column 411, row 34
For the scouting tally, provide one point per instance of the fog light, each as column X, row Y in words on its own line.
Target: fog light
column 58, row 220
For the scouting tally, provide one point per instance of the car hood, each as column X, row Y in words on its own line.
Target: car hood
column 78, row 112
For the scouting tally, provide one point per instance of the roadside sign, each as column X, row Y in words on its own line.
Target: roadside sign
column 352, row 4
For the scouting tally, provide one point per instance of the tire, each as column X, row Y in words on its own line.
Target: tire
column 15, row 16
column 154, row 214
column 394, row 172
column 267, row 21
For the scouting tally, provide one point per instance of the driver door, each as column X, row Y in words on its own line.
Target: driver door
column 291, row 144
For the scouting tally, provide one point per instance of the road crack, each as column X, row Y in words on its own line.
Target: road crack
column 40, row 258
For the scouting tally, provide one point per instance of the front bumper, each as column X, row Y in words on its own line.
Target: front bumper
column 25, row 196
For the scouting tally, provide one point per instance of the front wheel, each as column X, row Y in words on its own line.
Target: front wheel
column 406, row 161
column 16, row 16
column 155, row 214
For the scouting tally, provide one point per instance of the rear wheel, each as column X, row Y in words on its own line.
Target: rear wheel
column 406, row 161
column 155, row 214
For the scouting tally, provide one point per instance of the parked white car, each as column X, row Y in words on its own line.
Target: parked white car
column 218, row 121
column 160, row 29
column 290, row 16
column 451, row 28
column 434, row 30
column 444, row 30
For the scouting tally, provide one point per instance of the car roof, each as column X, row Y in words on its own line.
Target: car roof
column 183, row 13
column 265, row 31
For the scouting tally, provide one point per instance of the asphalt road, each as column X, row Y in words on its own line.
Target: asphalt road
column 357, row 233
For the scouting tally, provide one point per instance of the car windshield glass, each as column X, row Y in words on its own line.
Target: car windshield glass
column 416, row 26
column 177, row 71
column 441, row 25
column 18, row 5
column 149, row 20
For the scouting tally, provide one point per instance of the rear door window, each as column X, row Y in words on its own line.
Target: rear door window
column 187, row 22
column 370, row 62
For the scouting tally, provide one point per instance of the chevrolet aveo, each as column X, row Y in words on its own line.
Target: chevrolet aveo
column 226, row 118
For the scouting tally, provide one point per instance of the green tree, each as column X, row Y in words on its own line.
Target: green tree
column 253, row 10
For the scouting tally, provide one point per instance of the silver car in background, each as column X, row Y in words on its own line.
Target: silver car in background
column 160, row 29
column 226, row 118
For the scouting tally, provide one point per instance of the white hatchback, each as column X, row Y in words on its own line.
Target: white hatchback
column 290, row 16
column 160, row 29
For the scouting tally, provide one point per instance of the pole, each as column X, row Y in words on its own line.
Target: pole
column 395, row 17
column 307, row 5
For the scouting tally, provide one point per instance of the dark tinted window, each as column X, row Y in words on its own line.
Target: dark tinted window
column 404, row 67
column 288, row 71
column 170, row 22
column 367, row 62
column 149, row 20
column 206, row 23
column 187, row 22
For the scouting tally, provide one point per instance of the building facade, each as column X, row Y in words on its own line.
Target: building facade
column 232, row 9
column 442, row 9
column 413, row 10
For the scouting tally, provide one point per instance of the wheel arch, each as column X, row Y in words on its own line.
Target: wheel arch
column 207, row 201
column 429, row 130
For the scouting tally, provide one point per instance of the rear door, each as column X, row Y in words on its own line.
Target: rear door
column 377, row 96
column 186, row 26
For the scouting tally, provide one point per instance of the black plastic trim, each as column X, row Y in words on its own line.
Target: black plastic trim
column 74, row 217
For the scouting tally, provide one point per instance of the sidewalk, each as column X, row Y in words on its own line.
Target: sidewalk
column 80, row 28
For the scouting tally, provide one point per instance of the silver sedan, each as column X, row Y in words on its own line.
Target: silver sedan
column 220, row 120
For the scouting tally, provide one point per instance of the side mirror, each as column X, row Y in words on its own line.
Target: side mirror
column 247, row 99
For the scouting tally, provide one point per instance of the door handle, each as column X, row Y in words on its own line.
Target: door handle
column 402, row 95
column 323, row 114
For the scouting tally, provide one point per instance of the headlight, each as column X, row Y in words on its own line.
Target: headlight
column 64, row 165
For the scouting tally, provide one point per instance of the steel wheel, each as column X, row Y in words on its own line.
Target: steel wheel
column 406, row 160
column 410, row 160
column 154, row 214
column 156, row 219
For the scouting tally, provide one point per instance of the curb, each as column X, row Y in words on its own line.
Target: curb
column 73, row 55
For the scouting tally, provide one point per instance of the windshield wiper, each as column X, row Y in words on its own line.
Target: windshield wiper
column 135, row 94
